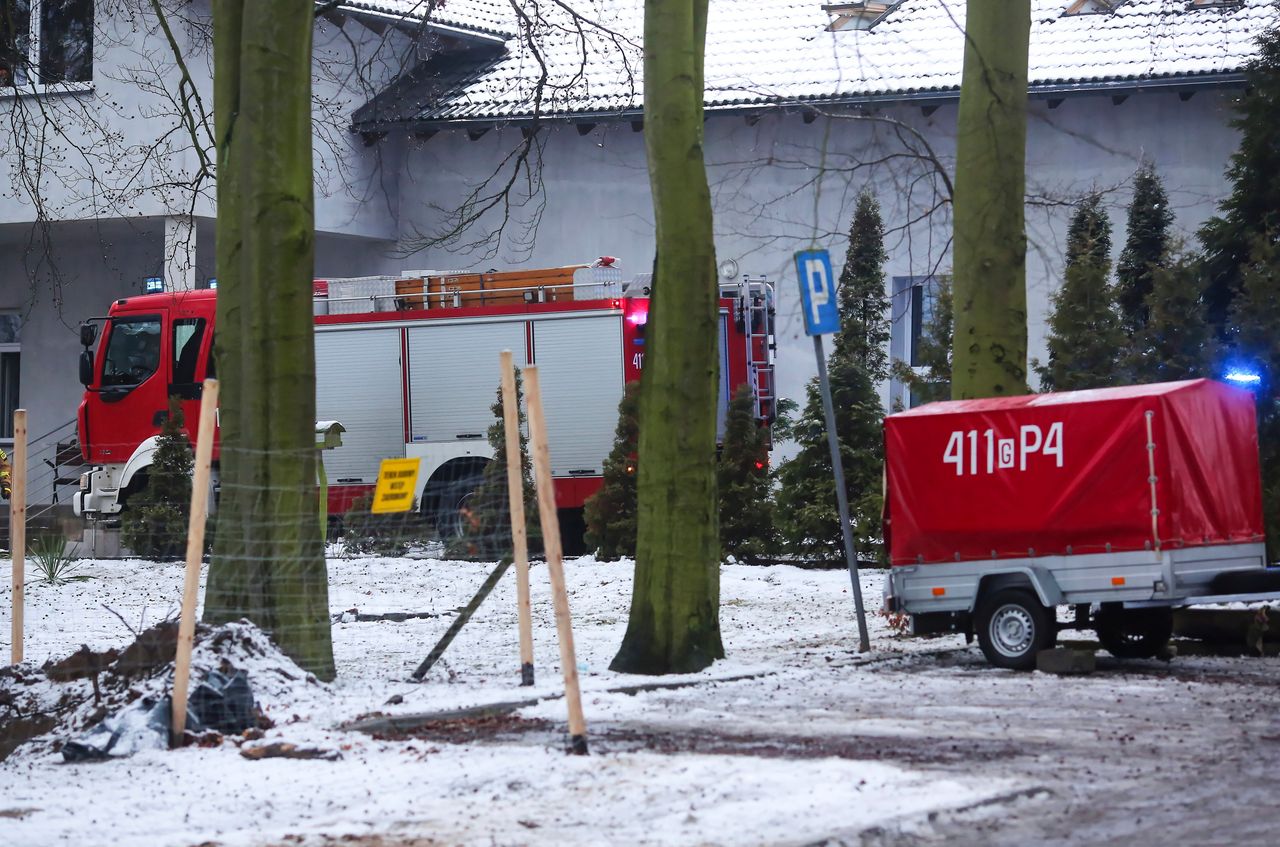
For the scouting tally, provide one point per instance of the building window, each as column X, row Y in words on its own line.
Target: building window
column 10, row 361
column 45, row 41
column 1092, row 7
column 915, row 301
column 858, row 15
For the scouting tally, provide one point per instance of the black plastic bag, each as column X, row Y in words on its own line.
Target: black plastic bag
column 221, row 703
column 143, row 725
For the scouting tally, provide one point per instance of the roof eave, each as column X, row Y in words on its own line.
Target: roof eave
column 1187, row 83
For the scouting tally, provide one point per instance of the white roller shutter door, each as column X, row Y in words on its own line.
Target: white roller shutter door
column 580, row 368
column 454, row 375
column 358, row 385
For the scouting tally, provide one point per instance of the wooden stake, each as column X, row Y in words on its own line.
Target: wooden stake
column 195, row 552
column 555, row 563
column 519, row 531
column 463, row 618
column 18, row 526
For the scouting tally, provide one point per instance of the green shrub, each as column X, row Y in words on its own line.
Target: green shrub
column 485, row 518
column 382, row 535
column 154, row 522
column 48, row 550
column 610, row 513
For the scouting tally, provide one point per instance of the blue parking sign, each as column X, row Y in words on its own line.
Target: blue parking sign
column 817, row 292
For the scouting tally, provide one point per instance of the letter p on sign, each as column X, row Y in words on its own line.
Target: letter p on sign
column 817, row 292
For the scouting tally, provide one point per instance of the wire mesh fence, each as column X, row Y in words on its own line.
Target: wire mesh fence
column 271, row 538
column 265, row 541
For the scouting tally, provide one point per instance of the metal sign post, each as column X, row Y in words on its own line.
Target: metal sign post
column 821, row 316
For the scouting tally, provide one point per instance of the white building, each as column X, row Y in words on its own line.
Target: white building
column 414, row 117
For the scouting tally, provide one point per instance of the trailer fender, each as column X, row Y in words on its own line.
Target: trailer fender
column 1036, row 578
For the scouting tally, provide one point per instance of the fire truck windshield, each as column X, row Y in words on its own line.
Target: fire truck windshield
column 133, row 351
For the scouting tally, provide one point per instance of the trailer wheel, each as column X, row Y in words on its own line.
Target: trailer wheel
column 1134, row 633
column 1013, row 627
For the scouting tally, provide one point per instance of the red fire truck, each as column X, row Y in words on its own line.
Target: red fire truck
column 409, row 366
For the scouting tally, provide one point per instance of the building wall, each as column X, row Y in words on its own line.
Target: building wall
column 119, row 149
column 103, row 209
column 53, row 286
column 86, row 266
column 781, row 185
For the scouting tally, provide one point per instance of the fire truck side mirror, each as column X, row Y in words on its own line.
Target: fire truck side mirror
column 86, row 368
column 88, row 334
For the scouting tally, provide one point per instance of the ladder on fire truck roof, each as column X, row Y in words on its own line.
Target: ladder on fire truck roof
column 755, row 311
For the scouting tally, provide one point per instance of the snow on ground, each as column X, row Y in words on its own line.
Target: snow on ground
column 795, row 738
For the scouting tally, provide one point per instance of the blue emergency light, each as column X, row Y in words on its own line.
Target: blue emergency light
column 1242, row 377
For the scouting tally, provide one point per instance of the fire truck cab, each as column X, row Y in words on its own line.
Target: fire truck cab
column 409, row 366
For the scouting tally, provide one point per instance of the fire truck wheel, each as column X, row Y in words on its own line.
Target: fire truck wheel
column 1134, row 633
column 454, row 507
column 1013, row 627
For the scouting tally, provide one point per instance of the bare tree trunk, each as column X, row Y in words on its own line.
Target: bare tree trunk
column 269, row 559
column 990, row 290
column 675, row 625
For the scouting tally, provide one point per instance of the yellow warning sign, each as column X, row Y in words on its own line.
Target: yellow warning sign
column 397, row 482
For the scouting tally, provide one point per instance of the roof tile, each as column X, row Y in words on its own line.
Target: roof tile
column 771, row 51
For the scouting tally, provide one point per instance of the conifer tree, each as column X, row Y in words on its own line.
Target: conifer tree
column 864, row 309
column 155, row 524
column 1252, row 211
column 486, row 520
column 746, row 516
column 807, row 515
column 1178, row 341
column 1084, row 331
column 610, row 513
column 1146, row 246
column 1256, row 316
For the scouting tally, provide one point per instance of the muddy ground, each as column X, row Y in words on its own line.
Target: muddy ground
column 1139, row 752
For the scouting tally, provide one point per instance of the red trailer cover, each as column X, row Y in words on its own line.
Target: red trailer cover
column 1050, row 474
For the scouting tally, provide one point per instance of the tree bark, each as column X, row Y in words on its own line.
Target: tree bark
column 989, row 288
column 674, row 625
column 269, row 557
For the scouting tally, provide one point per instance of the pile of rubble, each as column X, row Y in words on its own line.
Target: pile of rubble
column 94, row 705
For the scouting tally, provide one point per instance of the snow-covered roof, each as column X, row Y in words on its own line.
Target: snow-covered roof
column 765, row 52
column 493, row 17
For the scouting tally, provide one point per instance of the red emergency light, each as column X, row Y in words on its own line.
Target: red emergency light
column 637, row 312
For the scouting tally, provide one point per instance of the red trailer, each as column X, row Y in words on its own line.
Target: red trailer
column 1122, row 502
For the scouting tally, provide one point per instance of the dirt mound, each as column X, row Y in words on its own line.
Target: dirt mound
column 41, row 707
